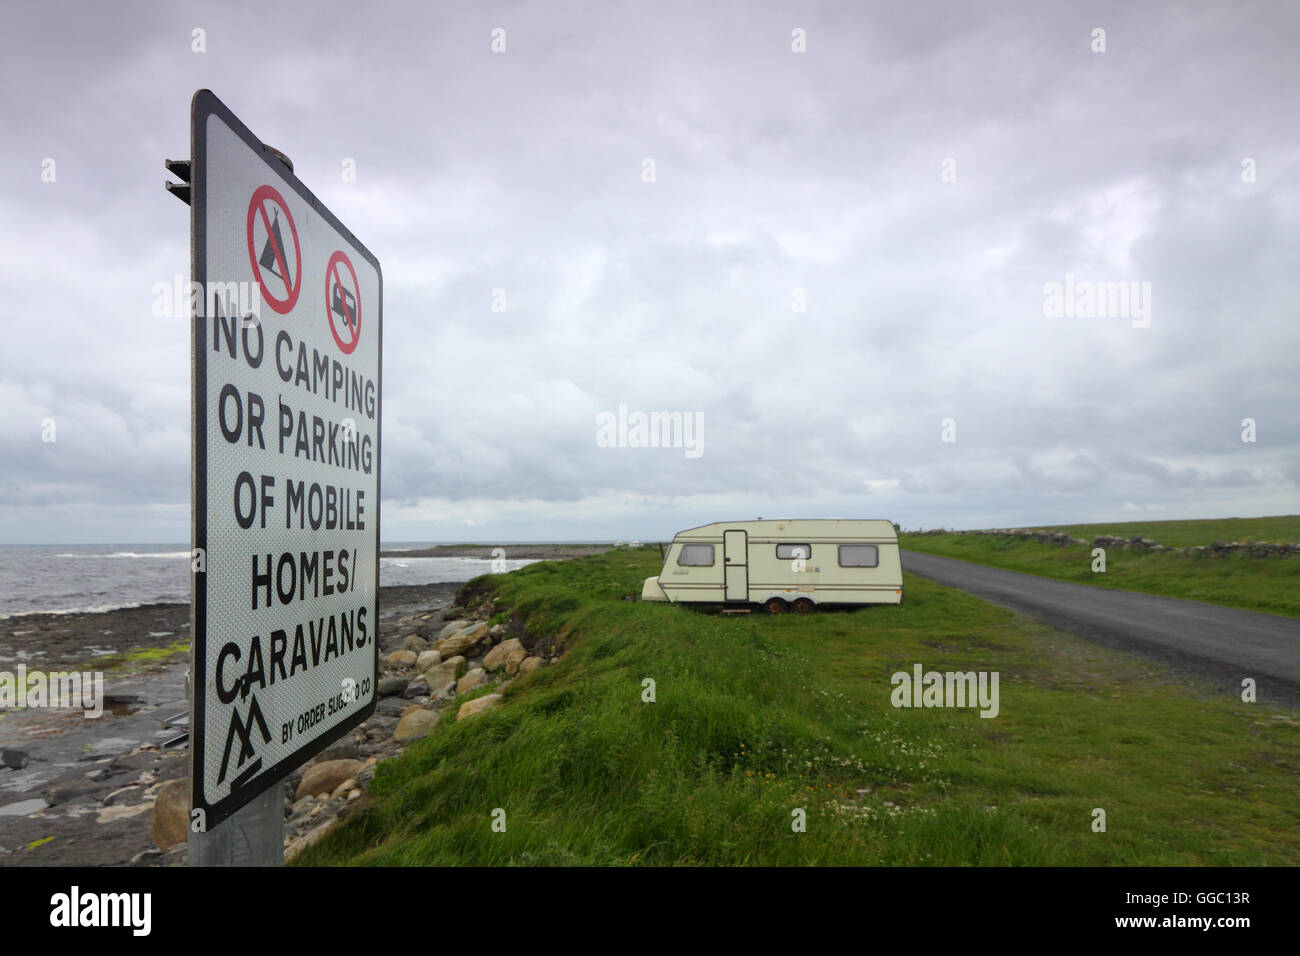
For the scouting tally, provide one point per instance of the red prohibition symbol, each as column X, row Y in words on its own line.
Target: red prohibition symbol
column 343, row 301
column 267, row 205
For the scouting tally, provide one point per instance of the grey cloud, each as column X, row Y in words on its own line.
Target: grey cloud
column 775, row 171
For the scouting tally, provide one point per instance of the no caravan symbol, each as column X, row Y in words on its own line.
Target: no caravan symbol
column 273, row 261
column 343, row 299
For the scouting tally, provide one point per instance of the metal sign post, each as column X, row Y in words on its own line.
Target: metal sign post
column 287, row 314
column 251, row 836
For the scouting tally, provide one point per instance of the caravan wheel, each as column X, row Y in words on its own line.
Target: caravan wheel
column 804, row 606
column 774, row 606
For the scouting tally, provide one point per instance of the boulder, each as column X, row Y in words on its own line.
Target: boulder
column 450, row 629
column 416, row 725
column 529, row 664
column 475, row 678
column 514, row 659
column 415, row 643
column 428, row 659
column 463, row 640
column 497, row 656
column 325, row 776
column 476, row 706
column 400, row 659
column 450, row 669
column 171, row 813
column 391, row 686
column 497, row 632
column 14, row 759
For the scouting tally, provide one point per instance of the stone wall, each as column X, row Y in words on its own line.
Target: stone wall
column 1217, row 549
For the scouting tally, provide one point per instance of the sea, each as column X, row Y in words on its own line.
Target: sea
column 76, row 578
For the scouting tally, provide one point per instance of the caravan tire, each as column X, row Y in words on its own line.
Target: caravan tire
column 804, row 606
column 774, row 606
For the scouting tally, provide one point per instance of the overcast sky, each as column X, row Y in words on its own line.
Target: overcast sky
column 918, row 177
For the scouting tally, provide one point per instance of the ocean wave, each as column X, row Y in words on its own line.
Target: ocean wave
column 170, row 555
column 44, row 584
column 92, row 609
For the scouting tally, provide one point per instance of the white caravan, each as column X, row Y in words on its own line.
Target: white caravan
column 785, row 563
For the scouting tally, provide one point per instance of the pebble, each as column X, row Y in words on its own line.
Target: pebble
column 416, row 688
column 14, row 759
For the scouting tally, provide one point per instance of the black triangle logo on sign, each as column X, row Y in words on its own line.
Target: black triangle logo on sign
column 243, row 732
column 267, row 259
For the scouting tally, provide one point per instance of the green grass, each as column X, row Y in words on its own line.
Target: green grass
column 141, row 655
column 1238, row 580
column 756, row 716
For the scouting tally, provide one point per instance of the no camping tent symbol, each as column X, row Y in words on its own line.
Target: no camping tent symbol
column 273, row 249
column 343, row 302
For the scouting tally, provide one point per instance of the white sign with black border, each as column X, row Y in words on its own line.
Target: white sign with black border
column 287, row 322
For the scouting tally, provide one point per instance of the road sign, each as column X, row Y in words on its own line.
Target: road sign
column 286, row 427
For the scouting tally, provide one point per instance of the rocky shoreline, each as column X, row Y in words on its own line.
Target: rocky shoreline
column 82, row 792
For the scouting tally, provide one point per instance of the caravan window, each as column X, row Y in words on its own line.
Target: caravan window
column 859, row 556
column 789, row 552
column 696, row 555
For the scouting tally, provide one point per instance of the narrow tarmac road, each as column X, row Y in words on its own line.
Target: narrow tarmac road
column 1222, row 644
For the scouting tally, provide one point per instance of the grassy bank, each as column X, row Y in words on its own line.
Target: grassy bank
column 758, row 716
column 1186, row 534
column 1236, row 580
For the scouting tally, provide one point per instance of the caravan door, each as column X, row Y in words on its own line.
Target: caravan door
column 735, row 561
